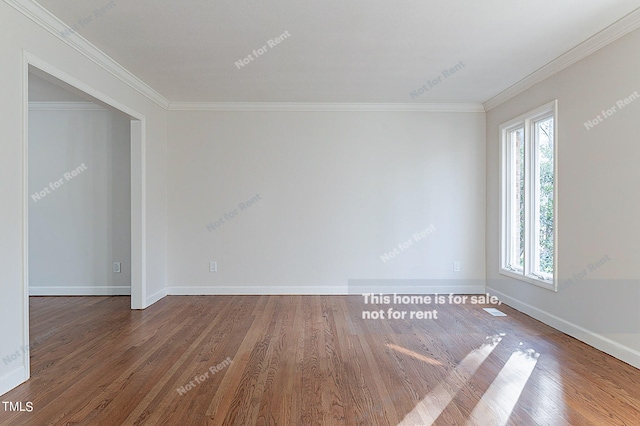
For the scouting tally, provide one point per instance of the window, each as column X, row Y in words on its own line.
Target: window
column 528, row 197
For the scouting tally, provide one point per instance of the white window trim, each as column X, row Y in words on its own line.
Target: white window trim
column 526, row 120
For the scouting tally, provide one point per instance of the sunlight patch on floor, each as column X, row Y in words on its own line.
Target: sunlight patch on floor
column 430, row 408
column 498, row 401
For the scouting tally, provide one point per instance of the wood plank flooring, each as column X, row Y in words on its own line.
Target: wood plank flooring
column 310, row 360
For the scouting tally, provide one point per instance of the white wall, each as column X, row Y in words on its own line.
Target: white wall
column 598, row 202
column 333, row 192
column 18, row 33
column 80, row 200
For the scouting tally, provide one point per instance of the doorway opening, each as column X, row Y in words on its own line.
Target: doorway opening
column 83, row 223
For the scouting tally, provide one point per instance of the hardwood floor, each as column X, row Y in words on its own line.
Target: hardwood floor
column 310, row 360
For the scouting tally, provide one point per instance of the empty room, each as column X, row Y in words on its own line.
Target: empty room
column 328, row 213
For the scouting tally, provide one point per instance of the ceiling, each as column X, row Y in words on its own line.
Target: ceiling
column 347, row 51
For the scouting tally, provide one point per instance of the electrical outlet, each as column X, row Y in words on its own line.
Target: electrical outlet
column 213, row 266
column 456, row 266
column 117, row 267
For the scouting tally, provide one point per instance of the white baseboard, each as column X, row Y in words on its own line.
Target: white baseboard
column 155, row 297
column 254, row 290
column 606, row 345
column 13, row 379
column 410, row 289
column 416, row 286
column 80, row 291
column 323, row 290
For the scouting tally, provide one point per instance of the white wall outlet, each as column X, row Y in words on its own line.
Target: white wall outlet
column 117, row 267
column 456, row 266
column 213, row 266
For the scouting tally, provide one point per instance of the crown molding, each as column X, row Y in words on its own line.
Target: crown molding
column 55, row 26
column 610, row 34
column 64, row 106
column 323, row 107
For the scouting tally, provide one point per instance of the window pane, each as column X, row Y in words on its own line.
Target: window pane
column 516, row 219
column 544, row 226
